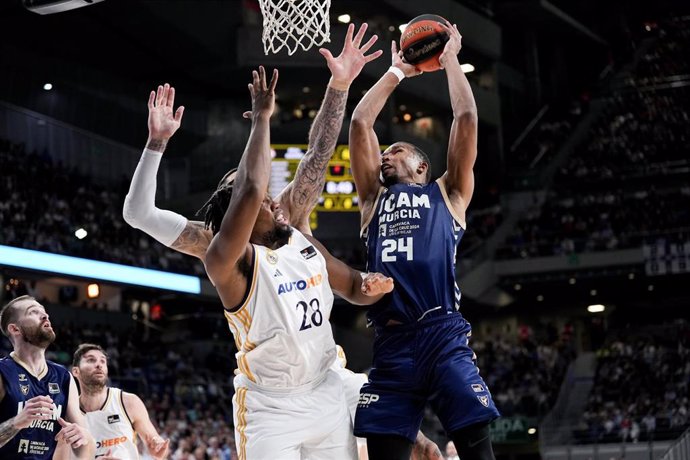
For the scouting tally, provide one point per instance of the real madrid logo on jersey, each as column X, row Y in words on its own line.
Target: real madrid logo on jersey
column 271, row 256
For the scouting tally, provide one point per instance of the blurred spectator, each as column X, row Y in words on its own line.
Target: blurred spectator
column 524, row 377
column 543, row 141
column 42, row 204
column 602, row 199
column 641, row 390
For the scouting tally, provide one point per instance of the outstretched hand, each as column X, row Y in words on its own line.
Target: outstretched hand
column 162, row 121
column 108, row 456
column 72, row 433
column 397, row 61
column 425, row 449
column 453, row 45
column 263, row 94
column 352, row 59
column 374, row 284
column 158, row 447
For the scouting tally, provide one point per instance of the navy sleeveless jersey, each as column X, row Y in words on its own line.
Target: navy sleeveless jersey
column 413, row 237
column 37, row 441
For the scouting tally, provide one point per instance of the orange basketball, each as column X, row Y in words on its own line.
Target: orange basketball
column 423, row 40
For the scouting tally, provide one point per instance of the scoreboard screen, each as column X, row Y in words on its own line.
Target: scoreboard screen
column 339, row 194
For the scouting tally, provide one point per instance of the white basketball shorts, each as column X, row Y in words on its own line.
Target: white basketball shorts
column 310, row 423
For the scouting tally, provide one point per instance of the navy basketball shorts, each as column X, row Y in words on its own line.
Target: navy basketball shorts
column 429, row 361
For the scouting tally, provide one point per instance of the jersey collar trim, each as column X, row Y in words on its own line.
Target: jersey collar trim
column 26, row 367
column 105, row 403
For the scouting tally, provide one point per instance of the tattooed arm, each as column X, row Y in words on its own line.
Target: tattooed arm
column 7, row 431
column 193, row 240
column 300, row 196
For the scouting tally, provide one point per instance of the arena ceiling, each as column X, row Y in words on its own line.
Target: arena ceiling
column 193, row 41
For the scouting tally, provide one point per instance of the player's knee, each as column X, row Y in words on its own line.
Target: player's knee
column 473, row 442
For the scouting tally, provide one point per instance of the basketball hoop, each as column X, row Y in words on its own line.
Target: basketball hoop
column 294, row 24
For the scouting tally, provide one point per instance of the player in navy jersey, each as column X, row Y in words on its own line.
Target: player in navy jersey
column 412, row 228
column 39, row 403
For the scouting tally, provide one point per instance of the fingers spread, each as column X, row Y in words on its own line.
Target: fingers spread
column 255, row 79
column 171, row 97
column 262, row 77
column 274, row 79
column 178, row 113
column 360, row 35
column 152, row 97
column 159, row 95
column 166, row 91
column 369, row 43
column 348, row 35
column 374, row 55
column 325, row 53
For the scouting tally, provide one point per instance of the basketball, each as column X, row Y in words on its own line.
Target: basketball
column 423, row 40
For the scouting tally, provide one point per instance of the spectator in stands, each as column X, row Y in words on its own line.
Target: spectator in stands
column 641, row 134
column 45, row 218
column 640, row 391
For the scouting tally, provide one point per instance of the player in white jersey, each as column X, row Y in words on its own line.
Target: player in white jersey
column 114, row 417
column 274, row 281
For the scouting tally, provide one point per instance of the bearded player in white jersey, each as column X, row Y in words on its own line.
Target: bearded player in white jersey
column 276, row 284
column 114, row 417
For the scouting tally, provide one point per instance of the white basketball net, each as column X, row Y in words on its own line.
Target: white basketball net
column 293, row 24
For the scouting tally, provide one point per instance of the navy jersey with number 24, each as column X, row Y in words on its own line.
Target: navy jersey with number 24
column 421, row 346
column 412, row 237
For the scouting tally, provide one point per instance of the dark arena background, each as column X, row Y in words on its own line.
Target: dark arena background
column 574, row 268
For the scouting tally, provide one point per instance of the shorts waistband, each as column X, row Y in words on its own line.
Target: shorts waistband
column 243, row 380
column 421, row 324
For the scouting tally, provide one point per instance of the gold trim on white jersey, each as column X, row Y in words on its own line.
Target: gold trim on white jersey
column 281, row 330
column 240, row 400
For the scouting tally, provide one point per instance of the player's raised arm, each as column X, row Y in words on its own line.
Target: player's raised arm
column 231, row 243
column 356, row 287
column 301, row 195
column 364, row 144
column 462, row 145
column 140, row 211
